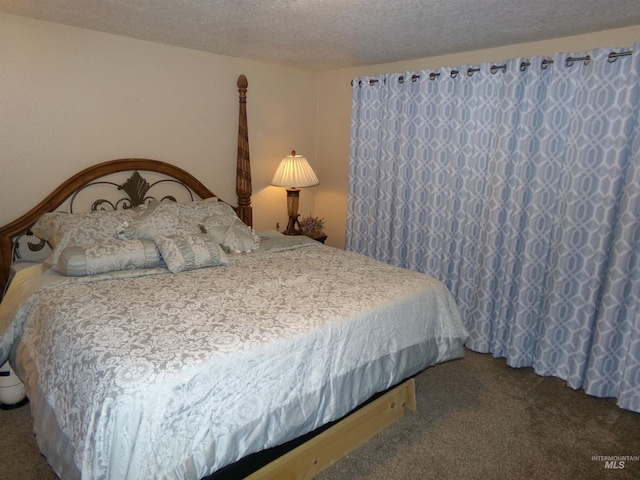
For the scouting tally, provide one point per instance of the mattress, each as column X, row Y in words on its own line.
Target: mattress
column 148, row 374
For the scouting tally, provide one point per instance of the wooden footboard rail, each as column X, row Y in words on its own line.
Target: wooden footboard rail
column 322, row 451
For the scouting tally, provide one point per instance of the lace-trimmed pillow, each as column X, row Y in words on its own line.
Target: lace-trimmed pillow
column 231, row 232
column 62, row 230
column 191, row 251
column 110, row 256
column 156, row 221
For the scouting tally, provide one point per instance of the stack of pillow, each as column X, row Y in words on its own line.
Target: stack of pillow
column 182, row 236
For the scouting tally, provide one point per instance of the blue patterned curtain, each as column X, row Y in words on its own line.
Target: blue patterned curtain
column 518, row 186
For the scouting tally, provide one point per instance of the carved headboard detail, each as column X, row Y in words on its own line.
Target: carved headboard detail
column 132, row 190
column 131, row 193
column 136, row 189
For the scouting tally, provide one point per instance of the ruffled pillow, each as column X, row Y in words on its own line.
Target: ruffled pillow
column 191, row 251
column 106, row 257
column 230, row 232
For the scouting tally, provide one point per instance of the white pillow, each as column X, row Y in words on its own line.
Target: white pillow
column 190, row 251
column 231, row 233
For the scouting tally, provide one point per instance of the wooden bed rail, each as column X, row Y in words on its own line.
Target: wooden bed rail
column 322, row 451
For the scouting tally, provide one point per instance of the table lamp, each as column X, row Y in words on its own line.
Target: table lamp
column 294, row 173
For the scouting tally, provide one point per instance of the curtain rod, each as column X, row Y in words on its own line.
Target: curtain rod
column 613, row 56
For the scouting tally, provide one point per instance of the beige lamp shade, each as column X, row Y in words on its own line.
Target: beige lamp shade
column 294, row 171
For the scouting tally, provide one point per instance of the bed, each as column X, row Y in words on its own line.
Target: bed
column 159, row 336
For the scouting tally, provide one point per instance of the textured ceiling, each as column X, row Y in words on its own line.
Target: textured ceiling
column 330, row 34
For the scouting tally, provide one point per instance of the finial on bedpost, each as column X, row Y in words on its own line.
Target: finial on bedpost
column 243, row 171
column 242, row 88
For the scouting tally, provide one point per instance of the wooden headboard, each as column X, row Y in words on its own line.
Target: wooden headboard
column 131, row 191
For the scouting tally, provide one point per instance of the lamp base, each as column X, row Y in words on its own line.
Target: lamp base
column 293, row 227
column 293, row 197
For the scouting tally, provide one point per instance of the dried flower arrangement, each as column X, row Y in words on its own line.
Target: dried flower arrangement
column 312, row 225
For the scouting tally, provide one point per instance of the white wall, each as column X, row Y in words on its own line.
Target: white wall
column 70, row 98
column 334, row 109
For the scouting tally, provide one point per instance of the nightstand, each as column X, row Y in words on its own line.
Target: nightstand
column 318, row 238
column 321, row 237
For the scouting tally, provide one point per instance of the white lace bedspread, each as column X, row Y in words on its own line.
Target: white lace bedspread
column 159, row 375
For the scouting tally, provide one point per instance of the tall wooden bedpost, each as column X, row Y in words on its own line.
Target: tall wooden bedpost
column 243, row 174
